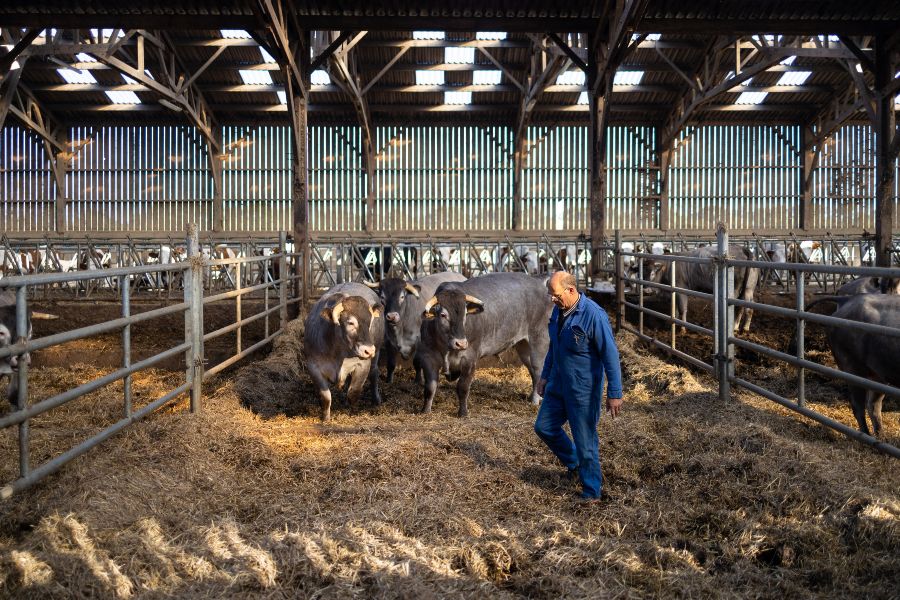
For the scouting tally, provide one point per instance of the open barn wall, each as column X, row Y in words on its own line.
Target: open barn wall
column 141, row 179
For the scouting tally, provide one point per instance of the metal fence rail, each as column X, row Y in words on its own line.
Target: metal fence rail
column 194, row 272
column 725, row 341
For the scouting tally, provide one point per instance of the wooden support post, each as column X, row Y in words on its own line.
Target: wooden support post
column 369, row 159
column 663, row 158
column 216, row 167
column 809, row 149
column 599, row 111
column 299, row 183
column 518, row 172
column 59, row 166
column 885, row 153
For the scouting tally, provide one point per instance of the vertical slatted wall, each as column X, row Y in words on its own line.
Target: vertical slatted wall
column 256, row 178
column 555, row 179
column 157, row 179
column 454, row 178
column 337, row 183
column 27, row 186
column 149, row 178
column 844, row 183
column 747, row 177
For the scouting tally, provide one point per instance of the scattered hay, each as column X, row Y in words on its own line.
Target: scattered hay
column 253, row 497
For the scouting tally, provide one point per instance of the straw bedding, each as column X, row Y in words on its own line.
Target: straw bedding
column 254, row 498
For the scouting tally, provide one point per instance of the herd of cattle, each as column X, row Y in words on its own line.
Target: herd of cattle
column 446, row 322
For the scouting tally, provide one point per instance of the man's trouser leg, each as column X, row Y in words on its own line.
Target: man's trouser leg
column 548, row 426
column 584, row 415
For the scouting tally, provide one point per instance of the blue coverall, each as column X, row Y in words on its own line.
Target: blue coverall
column 579, row 355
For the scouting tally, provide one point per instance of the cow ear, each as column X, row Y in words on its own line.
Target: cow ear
column 413, row 289
column 376, row 310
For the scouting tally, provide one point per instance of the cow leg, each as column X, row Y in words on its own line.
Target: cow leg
column 858, row 404
column 682, row 301
column 324, row 392
column 873, row 406
column 391, row 360
column 373, row 380
column 357, row 381
column 417, row 366
column 523, row 348
column 431, row 379
column 462, row 388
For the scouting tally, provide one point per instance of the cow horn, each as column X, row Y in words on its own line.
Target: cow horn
column 373, row 285
column 474, row 300
column 336, row 312
column 412, row 289
column 42, row 316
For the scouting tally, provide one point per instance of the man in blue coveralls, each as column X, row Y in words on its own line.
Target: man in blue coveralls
column 582, row 350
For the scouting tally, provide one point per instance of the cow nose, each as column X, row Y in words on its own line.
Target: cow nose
column 392, row 317
column 365, row 350
column 460, row 344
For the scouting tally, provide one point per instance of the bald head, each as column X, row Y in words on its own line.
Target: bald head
column 563, row 289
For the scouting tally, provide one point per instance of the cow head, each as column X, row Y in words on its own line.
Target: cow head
column 353, row 317
column 402, row 306
column 393, row 292
column 450, row 307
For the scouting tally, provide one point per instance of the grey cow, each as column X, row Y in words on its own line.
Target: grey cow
column 870, row 285
column 343, row 333
column 869, row 355
column 404, row 302
column 9, row 334
column 700, row 277
column 482, row 317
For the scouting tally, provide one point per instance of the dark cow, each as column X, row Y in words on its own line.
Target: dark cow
column 870, row 285
column 869, row 355
column 404, row 302
column 482, row 317
column 701, row 277
column 343, row 333
column 372, row 260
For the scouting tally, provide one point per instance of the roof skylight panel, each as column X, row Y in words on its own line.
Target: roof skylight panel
column 255, row 77
column 429, row 78
column 457, row 97
column 571, row 77
column 485, row 77
column 320, row 77
column 628, row 77
column 455, row 56
column 76, row 76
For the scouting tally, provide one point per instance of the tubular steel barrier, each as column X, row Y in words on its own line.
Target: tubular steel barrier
column 724, row 339
column 252, row 275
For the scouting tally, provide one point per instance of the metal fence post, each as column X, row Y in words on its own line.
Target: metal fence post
column 722, row 322
column 193, row 323
column 282, row 276
column 22, row 379
column 801, row 342
column 620, row 281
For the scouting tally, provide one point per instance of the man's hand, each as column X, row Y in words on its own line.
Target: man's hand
column 613, row 405
column 540, row 387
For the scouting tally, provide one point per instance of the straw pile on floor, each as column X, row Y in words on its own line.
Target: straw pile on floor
column 254, row 498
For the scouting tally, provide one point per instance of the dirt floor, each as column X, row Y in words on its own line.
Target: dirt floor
column 253, row 497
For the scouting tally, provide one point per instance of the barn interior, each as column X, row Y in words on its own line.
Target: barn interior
column 297, row 145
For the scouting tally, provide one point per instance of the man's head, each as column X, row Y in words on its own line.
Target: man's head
column 562, row 289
